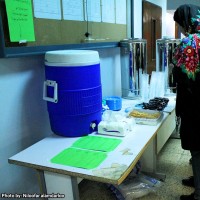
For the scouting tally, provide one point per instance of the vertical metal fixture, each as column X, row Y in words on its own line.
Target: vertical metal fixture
column 164, row 55
column 133, row 64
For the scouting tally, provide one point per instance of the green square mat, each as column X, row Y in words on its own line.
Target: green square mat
column 80, row 158
column 97, row 143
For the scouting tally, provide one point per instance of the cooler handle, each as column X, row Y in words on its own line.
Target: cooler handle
column 49, row 83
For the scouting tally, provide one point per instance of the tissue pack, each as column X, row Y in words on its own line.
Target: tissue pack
column 115, row 128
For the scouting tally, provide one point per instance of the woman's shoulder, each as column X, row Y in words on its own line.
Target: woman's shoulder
column 190, row 37
column 186, row 56
column 190, row 41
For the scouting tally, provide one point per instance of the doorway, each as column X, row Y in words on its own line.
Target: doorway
column 152, row 28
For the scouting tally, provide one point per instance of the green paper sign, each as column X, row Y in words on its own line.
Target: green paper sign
column 20, row 20
column 80, row 158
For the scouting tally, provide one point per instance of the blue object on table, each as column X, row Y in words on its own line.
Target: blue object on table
column 140, row 105
column 128, row 109
column 114, row 102
column 73, row 91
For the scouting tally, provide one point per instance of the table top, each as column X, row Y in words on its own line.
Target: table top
column 114, row 169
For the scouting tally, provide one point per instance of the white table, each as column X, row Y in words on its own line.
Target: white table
column 62, row 180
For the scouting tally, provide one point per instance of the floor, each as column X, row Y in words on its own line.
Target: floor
column 172, row 161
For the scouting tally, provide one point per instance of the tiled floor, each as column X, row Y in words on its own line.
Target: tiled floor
column 172, row 161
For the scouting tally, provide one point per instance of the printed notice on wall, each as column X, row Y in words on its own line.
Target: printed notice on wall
column 48, row 9
column 73, row 10
column 20, row 20
column 120, row 11
column 108, row 11
column 93, row 10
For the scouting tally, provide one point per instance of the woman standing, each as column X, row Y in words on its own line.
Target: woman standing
column 187, row 76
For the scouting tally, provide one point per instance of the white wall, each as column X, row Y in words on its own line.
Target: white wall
column 23, row 118
column 110, row 71
column 23, row 114
column 137, row 19
column 170, row 25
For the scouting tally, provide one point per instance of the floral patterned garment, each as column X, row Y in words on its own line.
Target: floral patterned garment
column 186, row 55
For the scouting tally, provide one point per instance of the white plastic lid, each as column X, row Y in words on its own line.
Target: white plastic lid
column 71, row 58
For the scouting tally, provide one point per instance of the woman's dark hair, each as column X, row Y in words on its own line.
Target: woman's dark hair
column 188, row 17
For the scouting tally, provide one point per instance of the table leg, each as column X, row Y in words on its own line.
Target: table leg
column 41, row 182
column 62, row 186
column 149, row 161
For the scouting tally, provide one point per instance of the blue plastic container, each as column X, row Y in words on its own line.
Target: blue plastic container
column 73, row 91
column 114, row 103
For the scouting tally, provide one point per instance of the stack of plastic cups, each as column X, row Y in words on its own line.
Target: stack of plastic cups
column 144, row 87
column 157, row 85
